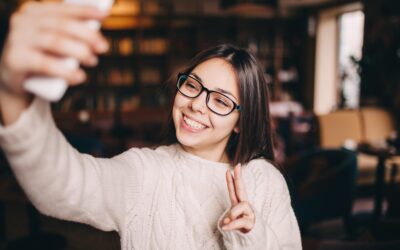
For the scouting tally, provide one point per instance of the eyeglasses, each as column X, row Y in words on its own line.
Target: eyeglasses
column 217, row 102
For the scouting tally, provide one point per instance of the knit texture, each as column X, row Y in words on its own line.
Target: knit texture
column 162, row 198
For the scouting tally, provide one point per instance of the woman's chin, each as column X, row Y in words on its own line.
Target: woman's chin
column 187, row 141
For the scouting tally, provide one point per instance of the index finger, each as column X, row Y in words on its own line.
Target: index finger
column 231, row 188
column 239, row 186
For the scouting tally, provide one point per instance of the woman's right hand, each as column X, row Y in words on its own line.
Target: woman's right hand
column 41, row 35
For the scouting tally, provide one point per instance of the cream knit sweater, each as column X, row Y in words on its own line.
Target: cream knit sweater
column 155, row 199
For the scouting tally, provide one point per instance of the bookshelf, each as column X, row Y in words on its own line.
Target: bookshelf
column 150, row 47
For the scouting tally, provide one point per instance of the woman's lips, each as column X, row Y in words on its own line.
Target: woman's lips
column 192, row 125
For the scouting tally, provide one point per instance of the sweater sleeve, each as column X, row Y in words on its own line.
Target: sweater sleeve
column 275, row 226
column 63, row 183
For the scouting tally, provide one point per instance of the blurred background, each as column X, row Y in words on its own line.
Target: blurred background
column 333, row 68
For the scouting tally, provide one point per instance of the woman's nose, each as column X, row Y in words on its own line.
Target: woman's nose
column 199, row 103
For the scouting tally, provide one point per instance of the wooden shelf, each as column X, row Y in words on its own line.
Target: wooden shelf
column 179, row 37
column 133, row 57
column 144, row 115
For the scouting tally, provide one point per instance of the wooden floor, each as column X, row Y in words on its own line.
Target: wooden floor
column 83, row 237
column 77, row 236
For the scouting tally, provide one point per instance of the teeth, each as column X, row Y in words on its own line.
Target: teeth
column 193, row 124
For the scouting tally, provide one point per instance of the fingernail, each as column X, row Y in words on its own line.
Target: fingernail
column 80, row 77
column 93, row 61
column 224, row 227
column 71, row 64
column 93, row 24
column 104, row 13
column 102, row 47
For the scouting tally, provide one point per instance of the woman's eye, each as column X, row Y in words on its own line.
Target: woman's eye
column 220, row 101
column 191, row 85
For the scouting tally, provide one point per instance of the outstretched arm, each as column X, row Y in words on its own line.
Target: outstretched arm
column 60, row 181
column 63, row 183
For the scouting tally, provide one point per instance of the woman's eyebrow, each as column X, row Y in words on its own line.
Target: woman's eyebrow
column 226, row 93
column 197, row 77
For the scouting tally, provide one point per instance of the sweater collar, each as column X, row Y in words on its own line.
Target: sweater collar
column 196, row 158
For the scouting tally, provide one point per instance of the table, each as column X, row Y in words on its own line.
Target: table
column 382, row 153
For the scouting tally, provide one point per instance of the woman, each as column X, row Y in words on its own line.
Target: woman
column 180, row 196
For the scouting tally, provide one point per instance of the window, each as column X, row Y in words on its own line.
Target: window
column 351, row 31
column 338, row 39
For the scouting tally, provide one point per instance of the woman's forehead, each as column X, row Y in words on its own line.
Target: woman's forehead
column 216, row 73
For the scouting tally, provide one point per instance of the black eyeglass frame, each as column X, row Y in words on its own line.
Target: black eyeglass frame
column 235, row 105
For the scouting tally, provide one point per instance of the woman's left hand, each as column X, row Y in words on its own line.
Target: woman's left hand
column 241, row 215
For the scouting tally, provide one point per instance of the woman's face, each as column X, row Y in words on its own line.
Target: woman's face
column 198, row 129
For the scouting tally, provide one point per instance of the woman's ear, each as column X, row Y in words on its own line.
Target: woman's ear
column 236, row 129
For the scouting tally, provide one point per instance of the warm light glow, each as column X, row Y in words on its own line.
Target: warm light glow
column 124, row 14
column 125, row 8
column 127, row 22
column 251, row 10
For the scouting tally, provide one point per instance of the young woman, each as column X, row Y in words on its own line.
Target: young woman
column 185, row 195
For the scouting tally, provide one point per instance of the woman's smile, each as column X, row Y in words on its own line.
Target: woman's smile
column 192, row 125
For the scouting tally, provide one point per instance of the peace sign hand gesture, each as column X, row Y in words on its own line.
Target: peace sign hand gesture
column 241, row 215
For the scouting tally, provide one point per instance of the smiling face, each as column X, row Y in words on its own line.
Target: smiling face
column 198, row 129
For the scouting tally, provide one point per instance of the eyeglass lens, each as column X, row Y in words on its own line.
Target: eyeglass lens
column 216, row 101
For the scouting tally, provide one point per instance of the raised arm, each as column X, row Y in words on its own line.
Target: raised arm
column 63, row 183
column 60, row 181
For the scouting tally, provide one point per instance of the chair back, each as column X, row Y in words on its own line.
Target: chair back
column 339, row 126
column 378, row 124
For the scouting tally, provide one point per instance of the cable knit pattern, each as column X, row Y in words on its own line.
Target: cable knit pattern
column 164, row 198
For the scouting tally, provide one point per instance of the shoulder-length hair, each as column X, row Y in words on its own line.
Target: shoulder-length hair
column 254, row 139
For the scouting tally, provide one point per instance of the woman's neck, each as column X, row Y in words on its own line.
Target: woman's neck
column 217, row 155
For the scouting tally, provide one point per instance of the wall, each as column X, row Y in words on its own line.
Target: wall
column 381, row 54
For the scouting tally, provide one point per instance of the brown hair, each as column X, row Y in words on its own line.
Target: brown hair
column 254, row 139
